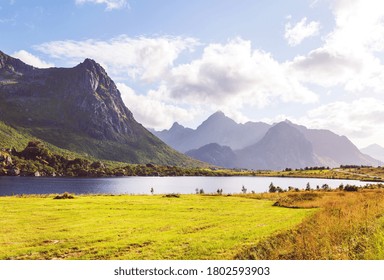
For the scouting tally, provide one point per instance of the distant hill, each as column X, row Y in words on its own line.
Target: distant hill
column 215, row 154
column 176, row 136
column 262, row 146
column 283, row 146
column 79, row 109
column 219, row 129
column 375, row 151
column 334, row 150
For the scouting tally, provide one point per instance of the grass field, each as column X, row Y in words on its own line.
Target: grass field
column 138, row 227
column 291, row 225
column 348, row 226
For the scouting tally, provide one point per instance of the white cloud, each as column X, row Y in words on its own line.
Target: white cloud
column 301, row 30
column 111, row 4
column 30, row 59
column 144, row 58
column 361, row 119
column 152, row 112
column 350, row 54
column 234, row 73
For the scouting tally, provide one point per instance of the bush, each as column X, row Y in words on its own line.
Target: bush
column 272, row 188
column 349, row 188
column 64, row 196
column 172, row 195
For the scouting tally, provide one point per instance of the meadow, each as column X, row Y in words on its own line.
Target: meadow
column 295, row 225
column 138, row 227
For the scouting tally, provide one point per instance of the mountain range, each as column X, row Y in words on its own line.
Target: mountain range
column 218, row 128
column 77, row 109
column 221, row 141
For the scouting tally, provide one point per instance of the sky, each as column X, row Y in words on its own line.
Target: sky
column 317, row 63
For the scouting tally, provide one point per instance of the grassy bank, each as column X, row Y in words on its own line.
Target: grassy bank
column 138, row 227
column 348, row 225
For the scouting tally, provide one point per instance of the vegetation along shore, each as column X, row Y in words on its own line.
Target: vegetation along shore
column 36, row 159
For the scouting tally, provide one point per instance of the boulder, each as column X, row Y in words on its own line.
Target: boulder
column 14, row 171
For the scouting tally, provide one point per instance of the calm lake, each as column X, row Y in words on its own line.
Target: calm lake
column 161, row 185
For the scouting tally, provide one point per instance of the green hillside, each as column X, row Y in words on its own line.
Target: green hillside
column 77, row 109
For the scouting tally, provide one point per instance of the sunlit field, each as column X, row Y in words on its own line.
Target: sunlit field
column 138, row 227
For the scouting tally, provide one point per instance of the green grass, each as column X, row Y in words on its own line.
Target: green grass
column 138, row 227
column 11, row 138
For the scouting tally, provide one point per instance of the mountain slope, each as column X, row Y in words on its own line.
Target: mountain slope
column 334, row 150
column 219, row 129
column 176, row 136
column 283, row 146
column 375, row 151
column 79, row 109
column 214, row 154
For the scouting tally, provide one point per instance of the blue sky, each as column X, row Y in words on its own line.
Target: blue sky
column 315, row 62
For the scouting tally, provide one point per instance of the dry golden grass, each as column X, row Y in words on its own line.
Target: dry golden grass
column 348, row 225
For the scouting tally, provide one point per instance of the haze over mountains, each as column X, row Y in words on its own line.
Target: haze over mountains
column 263, row 146
column 375, row 151
column 79, row 109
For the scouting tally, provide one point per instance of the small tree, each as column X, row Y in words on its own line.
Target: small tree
column 244, row 190
column 351, row 188
column 152, row 191
column 308, row 187
column 325, row 187
column 272, row 188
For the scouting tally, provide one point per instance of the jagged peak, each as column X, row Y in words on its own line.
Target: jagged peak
column 89, row 61
column 282, row 124
column 91, row 65
column 217, row 117
column 7, row 61
column 176, row 126
column 218, row 114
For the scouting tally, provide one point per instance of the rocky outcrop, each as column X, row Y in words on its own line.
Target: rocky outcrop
column 5, row 158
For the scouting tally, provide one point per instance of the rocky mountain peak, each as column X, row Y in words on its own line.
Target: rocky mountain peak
column 93, row 66
column 216, row 121
column 284, row 131
column 85, row 98
column 176, row 127
column 77, row 108
column 13, row 65
column 217, row 116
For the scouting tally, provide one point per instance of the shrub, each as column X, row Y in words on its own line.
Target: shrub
column 272, row 188
column 64, row 196
column 176, row 195
column 350, row 188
